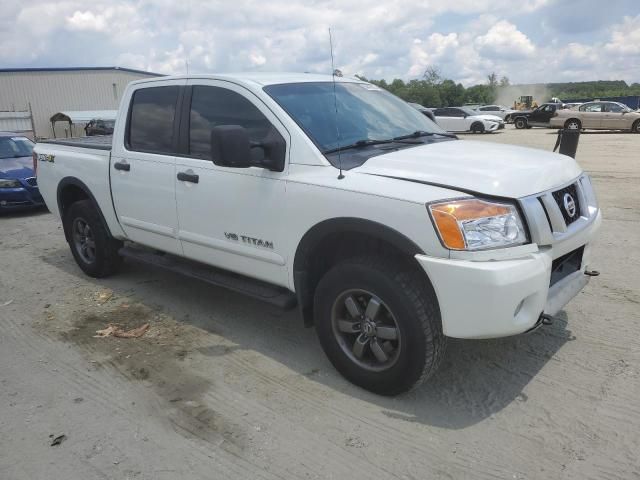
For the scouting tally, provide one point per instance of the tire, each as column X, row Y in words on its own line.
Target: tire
column 520, row 123
column 93, row 248
column 477, row 127
column 406, row 305
column 636, row 127
column 573, row 124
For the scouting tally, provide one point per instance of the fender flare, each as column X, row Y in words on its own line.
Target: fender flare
column 320, row 231
column 76, row 182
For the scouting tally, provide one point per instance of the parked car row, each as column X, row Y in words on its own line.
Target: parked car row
column 597, row 115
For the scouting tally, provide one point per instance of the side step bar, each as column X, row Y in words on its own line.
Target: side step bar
column 278, row 296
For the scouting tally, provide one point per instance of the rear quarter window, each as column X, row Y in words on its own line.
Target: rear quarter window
column 151, row 120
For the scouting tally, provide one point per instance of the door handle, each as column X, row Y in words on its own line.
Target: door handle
column 188, row 177
column 122, row 166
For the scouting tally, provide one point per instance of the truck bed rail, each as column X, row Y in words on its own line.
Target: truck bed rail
column 98, row 142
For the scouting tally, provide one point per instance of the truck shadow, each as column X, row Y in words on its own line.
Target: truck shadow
column 476, row 379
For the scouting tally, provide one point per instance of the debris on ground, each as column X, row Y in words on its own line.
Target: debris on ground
column 103, row 297
column 58, row 440
column 7, row 303
column 117, row 331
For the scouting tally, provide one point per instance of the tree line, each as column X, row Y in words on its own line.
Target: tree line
column 432, row 90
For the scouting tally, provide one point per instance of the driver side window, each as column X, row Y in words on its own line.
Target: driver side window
column 215, row 106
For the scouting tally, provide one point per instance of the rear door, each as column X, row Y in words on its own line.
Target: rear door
column 444, row 120
column 143, row 167
column 451, row 119
column 230, row 217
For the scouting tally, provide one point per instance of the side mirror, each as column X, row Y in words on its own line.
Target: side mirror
column 230, row 146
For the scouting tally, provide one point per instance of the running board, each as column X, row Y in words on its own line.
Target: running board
column 278, row 296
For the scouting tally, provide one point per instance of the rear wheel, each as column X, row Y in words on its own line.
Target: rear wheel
column 379, row 324
column 636, row 127
column 94, row 250
column 573, row 124
column 520, row 123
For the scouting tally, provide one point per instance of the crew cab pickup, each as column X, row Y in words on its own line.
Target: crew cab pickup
column 335, row 196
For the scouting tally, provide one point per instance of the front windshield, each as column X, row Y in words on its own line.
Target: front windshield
column 13, row 147
column 364, row 112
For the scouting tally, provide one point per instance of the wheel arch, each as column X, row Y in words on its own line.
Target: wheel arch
column 328, row 241
column 521, row 117
column 572, row 119
column 71, row 190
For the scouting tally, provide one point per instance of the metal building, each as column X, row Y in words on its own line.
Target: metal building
column 47, row 91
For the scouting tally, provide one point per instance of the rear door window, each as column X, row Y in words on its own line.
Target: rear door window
column 151, row 121
column 592, row 107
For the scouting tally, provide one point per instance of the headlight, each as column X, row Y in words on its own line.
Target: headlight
column 7, row 183
column 477, row 225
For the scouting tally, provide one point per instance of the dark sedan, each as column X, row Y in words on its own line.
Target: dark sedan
column 18, row 184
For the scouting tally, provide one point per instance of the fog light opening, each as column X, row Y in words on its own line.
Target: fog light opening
column 518, row 308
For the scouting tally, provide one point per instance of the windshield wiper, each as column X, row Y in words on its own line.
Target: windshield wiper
column 367, row 143
column 422, row 133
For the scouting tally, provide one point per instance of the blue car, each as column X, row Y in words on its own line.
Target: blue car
column 18, row 184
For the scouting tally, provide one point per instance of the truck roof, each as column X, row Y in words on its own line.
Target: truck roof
column 257, row 78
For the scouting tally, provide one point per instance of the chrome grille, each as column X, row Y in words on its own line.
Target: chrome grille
column 560, row 196
column 547, row 218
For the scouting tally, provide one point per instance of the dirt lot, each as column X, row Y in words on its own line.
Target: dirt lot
column 225, row 387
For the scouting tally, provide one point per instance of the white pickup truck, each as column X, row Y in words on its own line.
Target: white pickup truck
column 388, row 233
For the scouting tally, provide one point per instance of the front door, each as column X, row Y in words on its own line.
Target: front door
column 542, row 116
column 143, row 170
column 592, row 115
column 230, row 217
column 613, row 118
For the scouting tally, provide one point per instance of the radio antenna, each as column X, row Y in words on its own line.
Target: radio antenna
column 335, row 104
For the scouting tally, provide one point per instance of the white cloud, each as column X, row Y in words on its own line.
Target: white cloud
column 625, row 38
column 87, row 21
column 466, row 39
column 504, row 40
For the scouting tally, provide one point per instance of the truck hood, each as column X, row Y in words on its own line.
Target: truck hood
column 16, row 168
column 473, row 166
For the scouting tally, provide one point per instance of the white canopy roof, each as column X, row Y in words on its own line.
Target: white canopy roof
column 84, row 116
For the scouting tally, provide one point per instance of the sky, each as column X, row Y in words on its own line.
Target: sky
column 526, row 40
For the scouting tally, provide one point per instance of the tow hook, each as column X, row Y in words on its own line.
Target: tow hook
column 546, row 319
column 591, row 273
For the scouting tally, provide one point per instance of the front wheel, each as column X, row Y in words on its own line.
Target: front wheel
column 636, row 127
column 94, row 250
column 477, row 127
column 379, row 324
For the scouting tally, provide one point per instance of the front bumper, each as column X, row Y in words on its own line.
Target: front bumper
column 498, row 298
column 19, row 198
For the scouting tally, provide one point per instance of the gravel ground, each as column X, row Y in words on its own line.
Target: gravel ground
column 222, row 386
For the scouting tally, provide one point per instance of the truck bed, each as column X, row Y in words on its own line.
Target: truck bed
column 98, row 142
